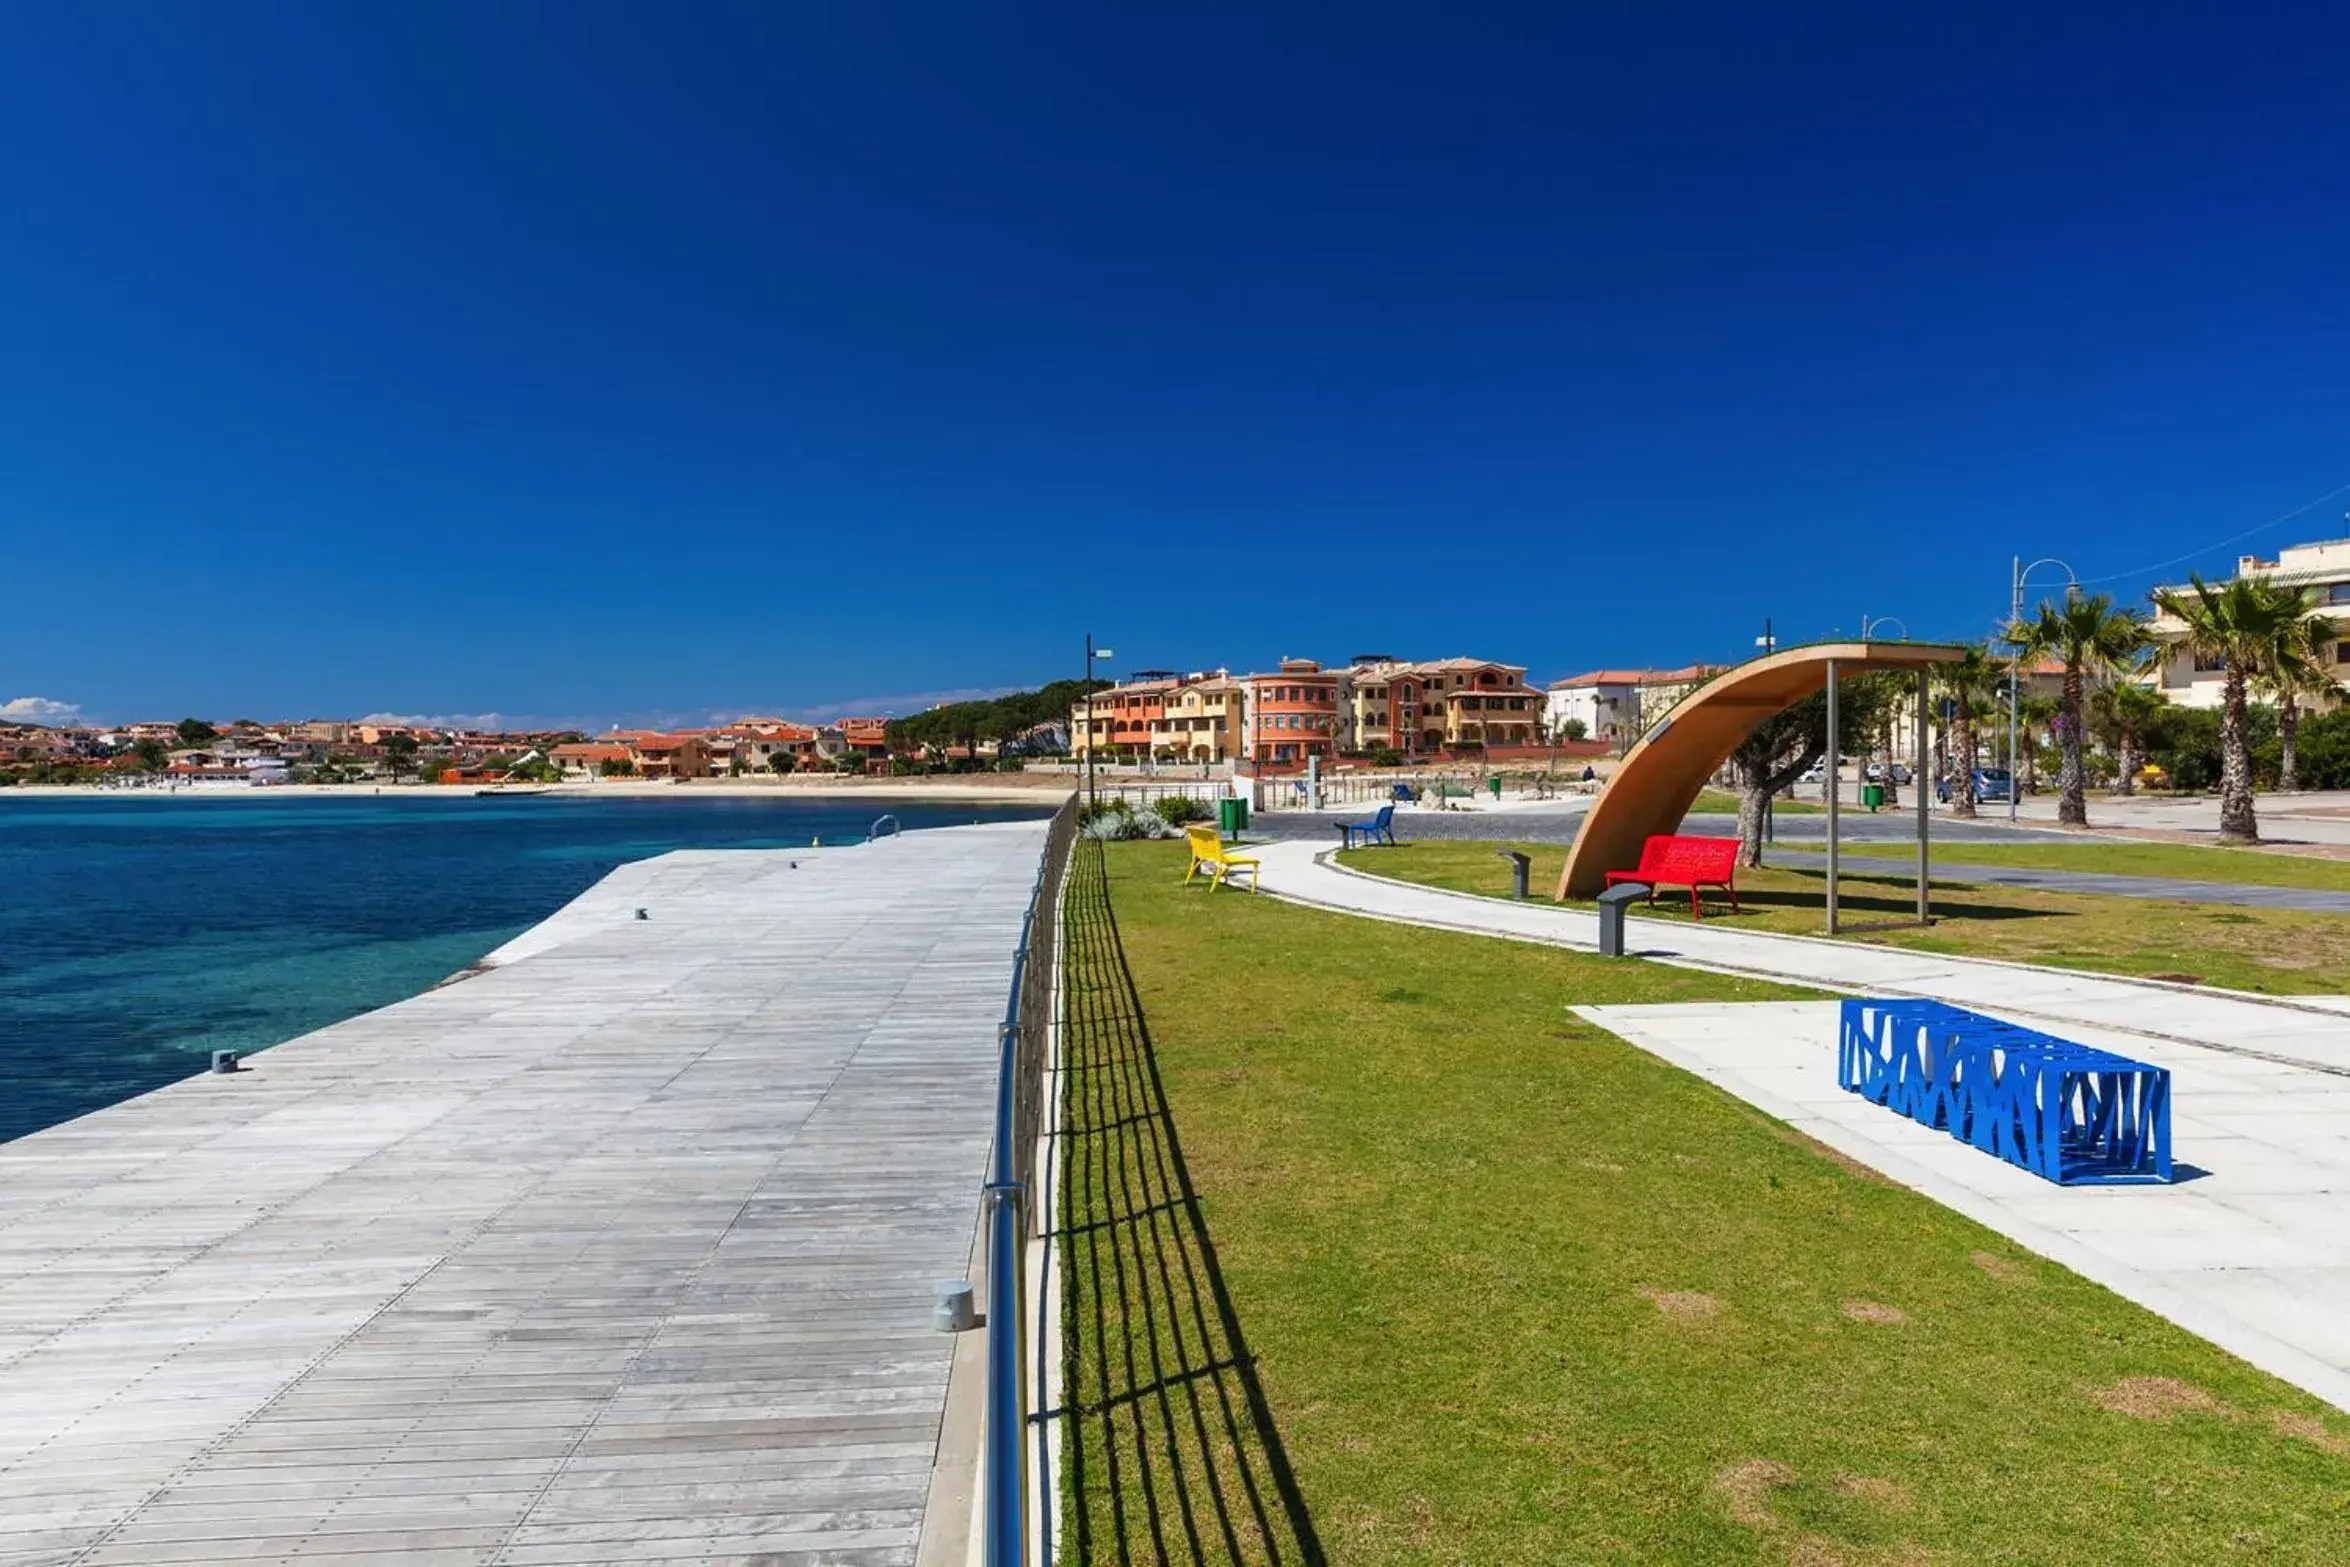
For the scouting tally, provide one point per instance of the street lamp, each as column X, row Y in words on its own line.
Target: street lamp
column 1092, row 654
column 2014, row 617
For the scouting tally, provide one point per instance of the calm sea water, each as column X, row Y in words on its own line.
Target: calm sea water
column 137, row 935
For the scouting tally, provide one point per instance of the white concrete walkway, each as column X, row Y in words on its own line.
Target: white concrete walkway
column 2251, row 1250
column 2302, row 1031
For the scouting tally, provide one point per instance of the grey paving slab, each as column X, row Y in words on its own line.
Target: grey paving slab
column 619, row 1250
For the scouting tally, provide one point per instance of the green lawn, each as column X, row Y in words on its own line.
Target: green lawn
column 1375, row 1254
column 2189, row 862
column 1721, row 802
column 2271, row 951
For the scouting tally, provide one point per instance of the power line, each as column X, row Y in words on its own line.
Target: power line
column 2176, row 560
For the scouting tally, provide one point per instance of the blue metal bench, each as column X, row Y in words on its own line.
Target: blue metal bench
column 2069, row 1113
column 1403, row 792
column 1379, row 829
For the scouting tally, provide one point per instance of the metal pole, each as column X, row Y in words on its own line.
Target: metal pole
column 1087, row 683
column 1835, row 747
column 1918, row 778
column 1770, row 645
column 2015, row 775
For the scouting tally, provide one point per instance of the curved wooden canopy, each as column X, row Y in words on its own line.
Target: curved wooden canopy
column 1659, row 780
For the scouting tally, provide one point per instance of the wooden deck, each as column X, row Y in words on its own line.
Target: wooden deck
column 621, row 1252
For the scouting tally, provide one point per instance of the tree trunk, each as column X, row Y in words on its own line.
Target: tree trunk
column 2072, row 796
column 1750, row 824
column 2289, row 737
column 2236, row 821
column 1962, row 764
column 1756, row 785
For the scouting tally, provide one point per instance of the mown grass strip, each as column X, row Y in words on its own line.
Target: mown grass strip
column 1515, row 1292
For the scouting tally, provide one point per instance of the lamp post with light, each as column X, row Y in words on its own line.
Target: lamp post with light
column 1092, row 654
column 2015, row 617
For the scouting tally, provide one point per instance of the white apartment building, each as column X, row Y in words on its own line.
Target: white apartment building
column 1618, row 705
column 2323, row 568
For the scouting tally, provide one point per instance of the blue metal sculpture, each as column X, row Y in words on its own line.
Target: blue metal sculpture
column 2067, row 1112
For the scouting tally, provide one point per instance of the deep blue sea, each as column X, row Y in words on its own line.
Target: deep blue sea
column 139, row 934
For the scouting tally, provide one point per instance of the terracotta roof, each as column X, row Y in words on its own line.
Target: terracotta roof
column 1640, row 677
column 593, row 753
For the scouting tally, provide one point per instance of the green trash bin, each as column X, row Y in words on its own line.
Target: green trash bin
column 1872, row 795
column 1495, row 784
column 1231, row 816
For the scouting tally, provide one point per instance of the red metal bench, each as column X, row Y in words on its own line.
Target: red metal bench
column 1685, row 862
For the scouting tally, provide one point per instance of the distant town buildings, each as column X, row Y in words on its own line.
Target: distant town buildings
column 1374, row 704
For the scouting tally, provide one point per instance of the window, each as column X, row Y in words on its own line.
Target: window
column 2338, row 593
column 2207, row 665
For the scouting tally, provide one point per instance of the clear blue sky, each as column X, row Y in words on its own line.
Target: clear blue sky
column 623, row 359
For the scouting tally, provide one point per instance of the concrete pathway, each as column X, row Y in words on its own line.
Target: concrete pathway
column 2236, row 894
column 2252, row 1253
column 619, row 1251
column 2303, row 1031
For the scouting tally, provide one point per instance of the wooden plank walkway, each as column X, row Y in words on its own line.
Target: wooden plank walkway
column 620, row 1252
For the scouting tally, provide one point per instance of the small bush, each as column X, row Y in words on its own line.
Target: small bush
column 1178, row 809
column 1119, row 821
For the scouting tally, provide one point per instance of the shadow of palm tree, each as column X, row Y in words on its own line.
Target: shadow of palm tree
column 1171, row 1452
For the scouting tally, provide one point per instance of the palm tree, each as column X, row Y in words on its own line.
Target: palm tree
column 2032, row 714
column 1971, row 686
column 2241, row 624
column 2126, row 708
column 2290, row 672
column 2093, row 639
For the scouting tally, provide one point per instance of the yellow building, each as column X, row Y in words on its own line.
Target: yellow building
column 1447, row 704
column 1199, row 720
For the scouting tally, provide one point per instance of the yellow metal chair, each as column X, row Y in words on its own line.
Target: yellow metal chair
column 1208, row 853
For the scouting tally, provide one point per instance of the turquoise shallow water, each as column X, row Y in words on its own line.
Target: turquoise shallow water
column 138, row 935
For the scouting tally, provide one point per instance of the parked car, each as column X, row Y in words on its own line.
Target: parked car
column 1876, row 772
column 1992, row 786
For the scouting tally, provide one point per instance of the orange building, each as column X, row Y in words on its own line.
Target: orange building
column 1293, row 713
column 672, row 756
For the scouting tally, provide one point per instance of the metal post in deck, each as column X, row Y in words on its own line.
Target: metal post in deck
column 1835, row 756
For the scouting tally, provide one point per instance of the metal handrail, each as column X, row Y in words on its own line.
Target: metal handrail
column 1010, row 1216
column 874, row 831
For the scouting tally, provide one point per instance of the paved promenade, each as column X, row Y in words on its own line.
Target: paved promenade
column 620, row 1251
column 2250, row 1251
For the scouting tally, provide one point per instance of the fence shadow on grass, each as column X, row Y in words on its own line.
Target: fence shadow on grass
column 1171, row 1452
